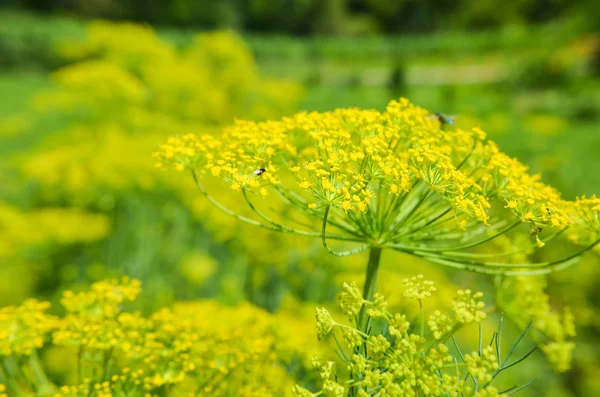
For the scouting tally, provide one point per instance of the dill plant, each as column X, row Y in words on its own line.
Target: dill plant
column 397, row 358
column 397, row 180
column 400, row 180
column 98, row 348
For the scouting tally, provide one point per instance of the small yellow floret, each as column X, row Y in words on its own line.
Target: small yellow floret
column 304, row 185
column 346, row 205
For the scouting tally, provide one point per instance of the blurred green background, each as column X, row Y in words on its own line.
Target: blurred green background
column 84, row 102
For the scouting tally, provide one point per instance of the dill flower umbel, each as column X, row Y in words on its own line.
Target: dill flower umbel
column 398, row 179
column 417, row 288
column 395, row 179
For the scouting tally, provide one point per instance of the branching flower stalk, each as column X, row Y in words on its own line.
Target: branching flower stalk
column 397, row 360
column 397, row 179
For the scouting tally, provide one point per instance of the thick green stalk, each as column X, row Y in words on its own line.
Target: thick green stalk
column 45, row 387
column 370, row 285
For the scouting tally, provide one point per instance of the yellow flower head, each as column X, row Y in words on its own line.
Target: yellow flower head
column 23, row 329
column 396, row 179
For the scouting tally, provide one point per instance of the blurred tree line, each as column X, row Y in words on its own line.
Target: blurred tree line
column 303, row 17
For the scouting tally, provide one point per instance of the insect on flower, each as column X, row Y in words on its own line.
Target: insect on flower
column 260, row 171
column 444, row 119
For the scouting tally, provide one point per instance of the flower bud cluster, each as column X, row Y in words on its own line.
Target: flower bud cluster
column 392, row 360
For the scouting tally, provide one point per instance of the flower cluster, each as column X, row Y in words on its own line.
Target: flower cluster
column 174, row 351
column 482, row 366
column 396, row 179
column 468, row 306
column 440, row 324
column 24, row 328
column 351, row 300
column 392, row 360
column 587, row 210
column 417, row 288
column 94, row 319
column 524, row 299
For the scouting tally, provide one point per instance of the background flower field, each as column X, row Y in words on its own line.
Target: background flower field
column 85, row 101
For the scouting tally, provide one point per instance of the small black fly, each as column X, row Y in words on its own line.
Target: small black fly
column 444, row 119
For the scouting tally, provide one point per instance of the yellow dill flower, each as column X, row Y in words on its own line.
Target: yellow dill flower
column 332, row 389
column 351, row 300
column 393, row 179
column 23, row 329
column 174, row 348
column 439, row 324
column 417, row 288
column 94, row 318
column 325, row 368
column 354, row 338
column 467, row 306
column 324, row 323
column 377, row 308
column 103, row 299
column 483, row 366
column 587, row 215
column 559, row 354
column 524, row 299
column 395, row 361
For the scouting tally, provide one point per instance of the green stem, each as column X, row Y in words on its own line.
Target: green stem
column 106, row 365
column 260, row 224
column 326, row 246
column 370, row 286
column 421, row 318
column 351, row 328
column 79, row 364
column 9, row 379
column 38, row 369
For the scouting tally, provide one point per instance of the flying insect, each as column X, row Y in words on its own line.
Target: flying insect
column 444, row 119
